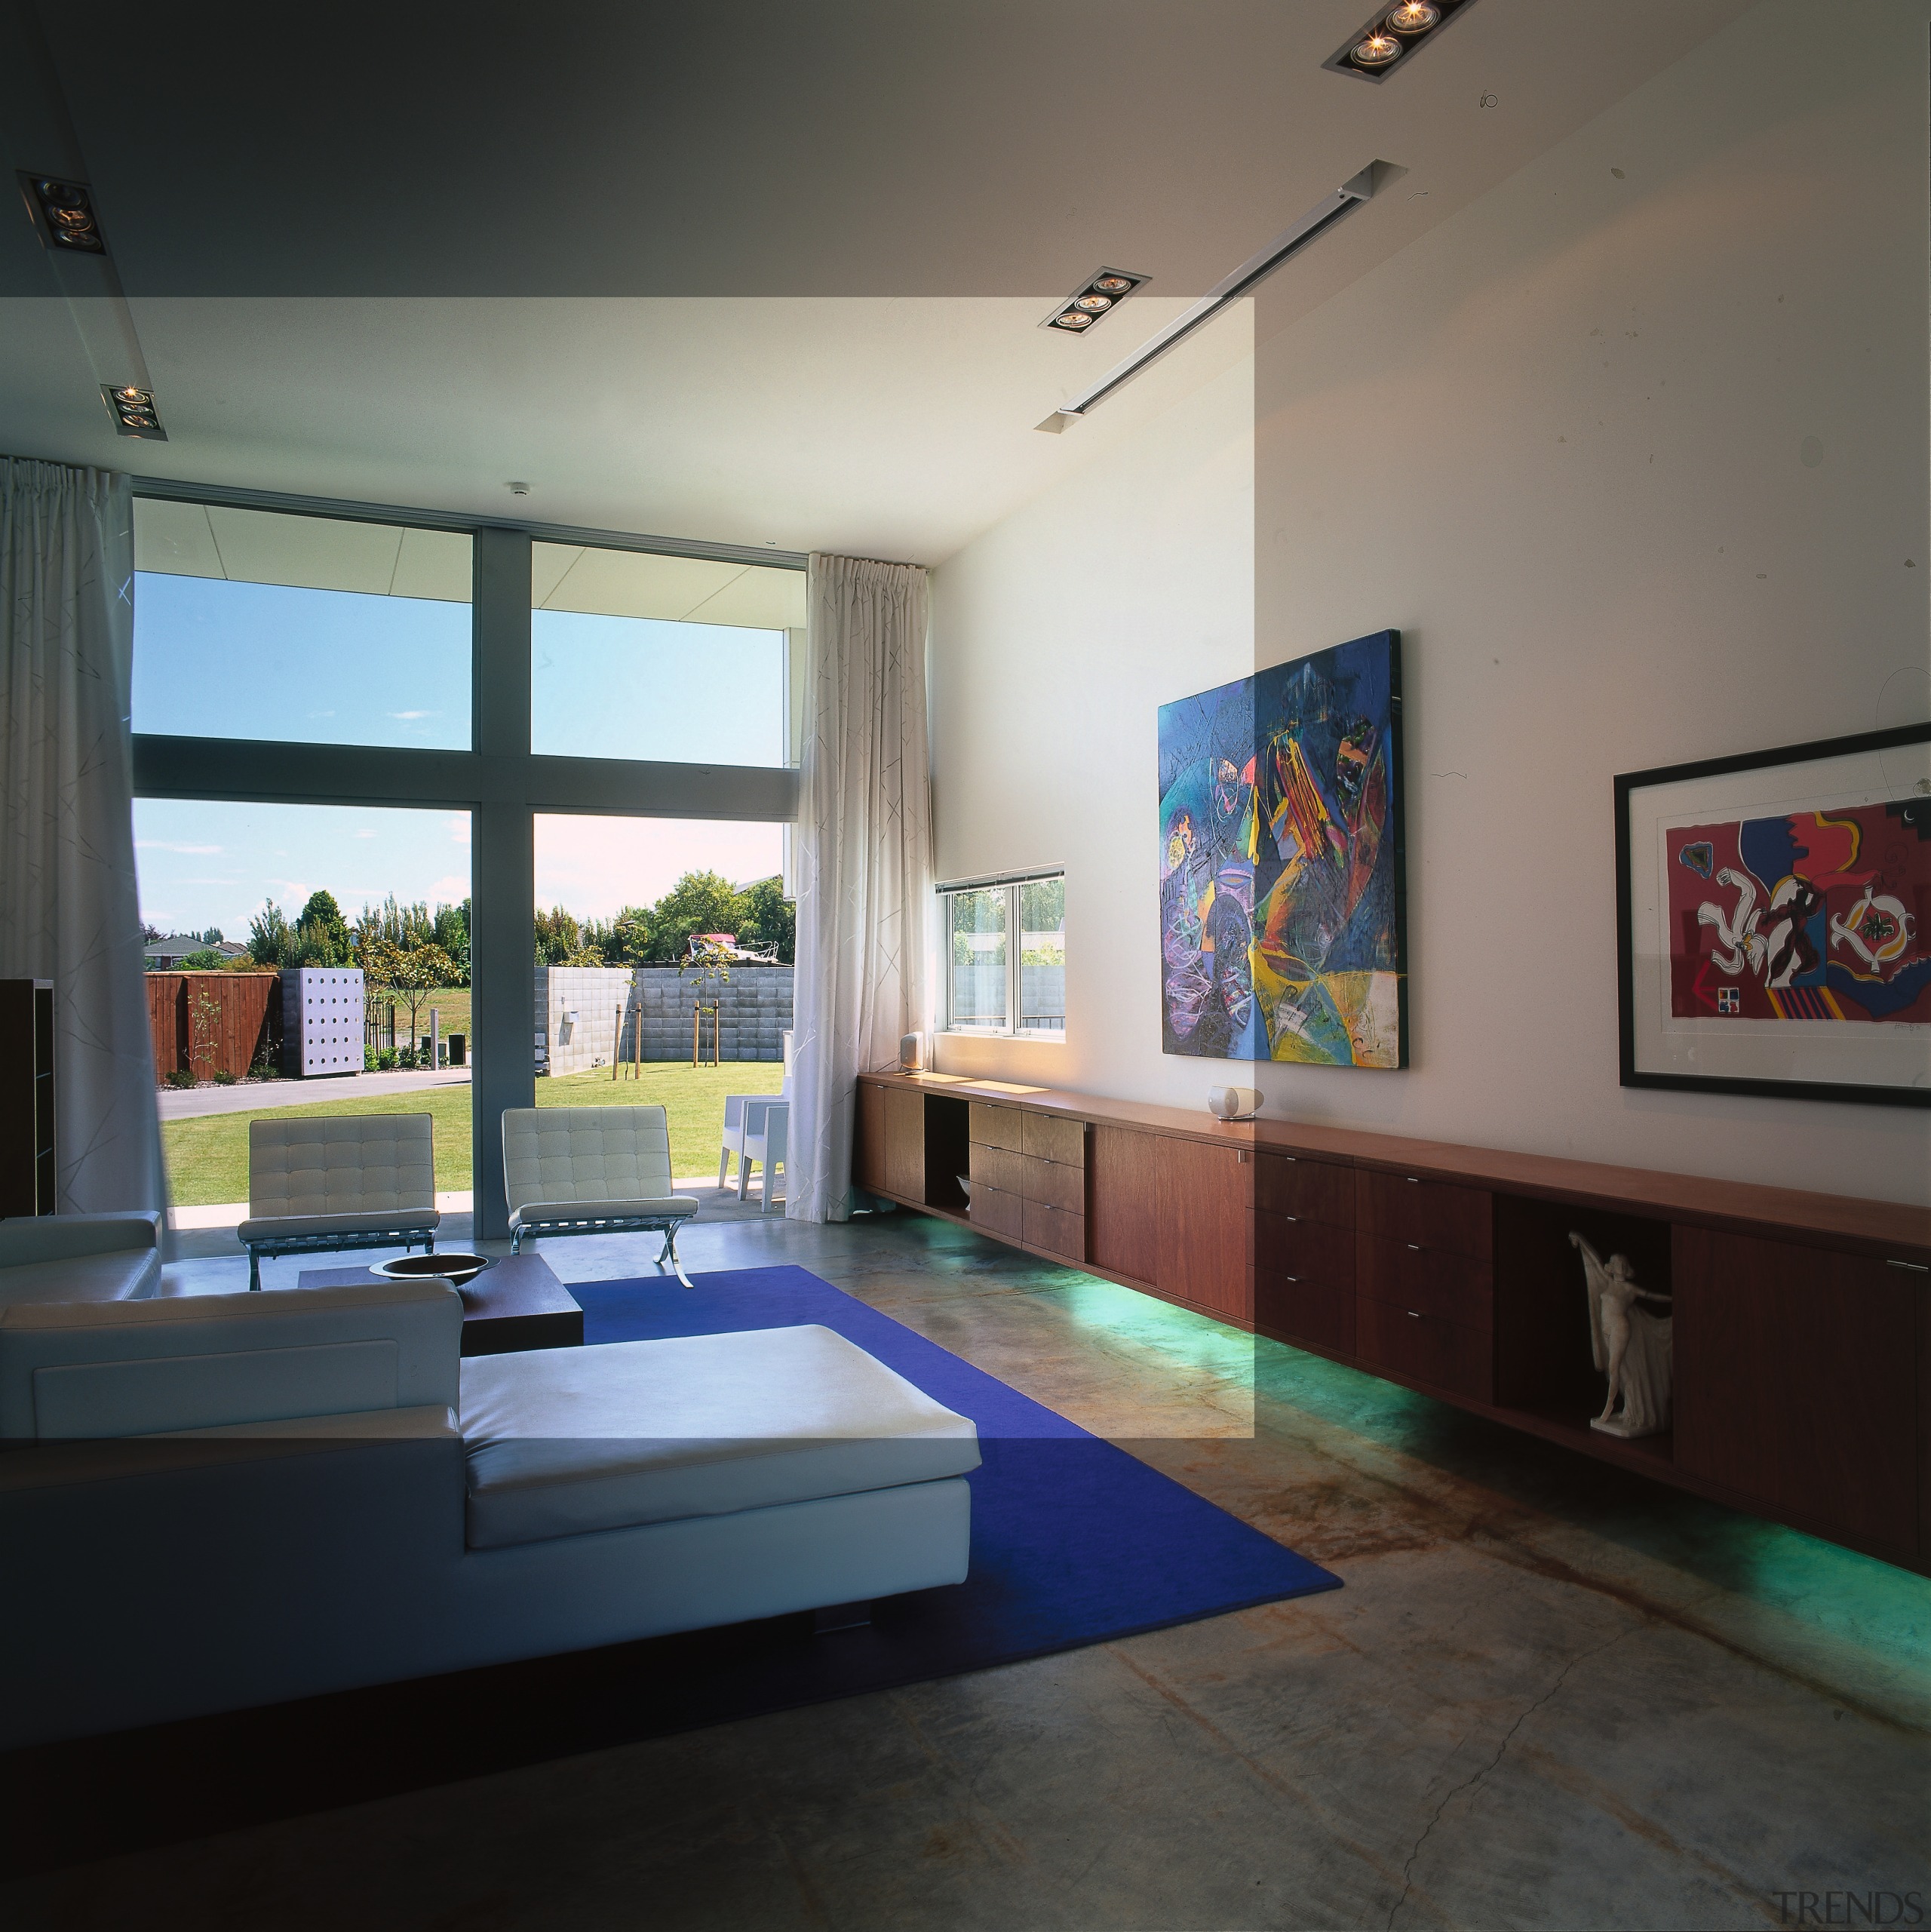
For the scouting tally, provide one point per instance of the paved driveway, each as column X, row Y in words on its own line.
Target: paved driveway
column 251, row 1096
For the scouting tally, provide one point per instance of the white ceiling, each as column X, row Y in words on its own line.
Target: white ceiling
column 765, row 275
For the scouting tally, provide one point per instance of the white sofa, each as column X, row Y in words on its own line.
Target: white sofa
column 79, row 1257
column 218, row 1501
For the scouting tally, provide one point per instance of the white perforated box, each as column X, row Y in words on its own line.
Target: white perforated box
column 322, row 1019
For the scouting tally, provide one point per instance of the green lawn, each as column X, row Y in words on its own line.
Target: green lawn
column 208, row 1159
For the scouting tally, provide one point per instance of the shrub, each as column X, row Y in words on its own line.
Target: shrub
column 182, row 1076
column 223, row 1078
column 385, row 1060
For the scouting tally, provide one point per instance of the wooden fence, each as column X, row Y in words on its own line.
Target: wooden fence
column 210, row 1023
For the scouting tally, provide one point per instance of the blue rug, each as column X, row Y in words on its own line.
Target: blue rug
column 1074, row 1541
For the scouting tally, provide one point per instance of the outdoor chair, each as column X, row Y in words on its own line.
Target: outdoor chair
column 744, row 1113
column 342, row 1180
column 764, row 1145
column 592, row 1170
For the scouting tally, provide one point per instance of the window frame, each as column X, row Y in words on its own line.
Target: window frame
column 499, row 780
column 1013, row 884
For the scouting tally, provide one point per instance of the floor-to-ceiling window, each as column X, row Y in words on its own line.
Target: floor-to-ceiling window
column 529, row 686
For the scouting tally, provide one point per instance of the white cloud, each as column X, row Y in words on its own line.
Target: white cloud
column 459, row 829
column 415, row 714
column 365, row 835
column 452, row 889
column 169, row 845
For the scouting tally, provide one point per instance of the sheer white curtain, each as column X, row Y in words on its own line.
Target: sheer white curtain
column 68, row 911
column 863, row 856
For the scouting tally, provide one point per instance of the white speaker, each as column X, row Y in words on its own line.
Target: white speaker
column 1234, row 1103
column 912, row 1053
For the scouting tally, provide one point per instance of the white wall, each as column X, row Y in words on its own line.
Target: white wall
column 1559, row 443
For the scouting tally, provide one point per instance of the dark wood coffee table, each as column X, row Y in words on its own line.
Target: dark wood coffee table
column 516, row 1303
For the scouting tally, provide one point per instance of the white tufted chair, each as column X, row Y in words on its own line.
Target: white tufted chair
column 592, row 1170
column 340, row 1181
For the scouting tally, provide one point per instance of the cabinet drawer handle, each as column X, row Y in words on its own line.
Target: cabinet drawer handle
column 1414, row 1314
column 1916, row 1268
column 1414, row 1180
column 1414, row 1247
column 1292, row 1278
column 1895, row 1265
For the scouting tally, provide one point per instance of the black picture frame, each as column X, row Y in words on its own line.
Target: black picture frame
column 1628, row 785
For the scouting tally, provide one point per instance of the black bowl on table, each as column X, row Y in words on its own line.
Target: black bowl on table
column 458, row 1270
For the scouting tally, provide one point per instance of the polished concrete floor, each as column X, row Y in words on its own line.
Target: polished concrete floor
column 1549, row 1695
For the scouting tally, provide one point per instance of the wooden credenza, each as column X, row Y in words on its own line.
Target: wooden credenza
column 1803, row 1328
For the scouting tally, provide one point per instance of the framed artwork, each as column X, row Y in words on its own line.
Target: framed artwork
column 1772, row 928
column 1282, row 933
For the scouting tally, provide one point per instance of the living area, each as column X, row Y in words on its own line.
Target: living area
column 1327, row 1323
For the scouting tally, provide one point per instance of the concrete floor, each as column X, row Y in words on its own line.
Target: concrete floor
column 1550, row 1695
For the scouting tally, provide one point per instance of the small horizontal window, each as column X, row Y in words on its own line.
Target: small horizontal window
column 1005, row 957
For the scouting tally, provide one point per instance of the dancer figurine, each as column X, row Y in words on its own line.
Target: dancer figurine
column 1630, row 1346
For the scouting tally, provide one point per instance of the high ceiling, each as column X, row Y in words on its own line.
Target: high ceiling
column 764, row 274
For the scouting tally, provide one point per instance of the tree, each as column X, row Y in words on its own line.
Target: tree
column 414, row 974
column 699, row 902
column 149, row 934
column 768, row 922
column 558, row 936
column 450, row 931
column 212, row 936
column 206, row 960
column 322, row 936
column 270, row 937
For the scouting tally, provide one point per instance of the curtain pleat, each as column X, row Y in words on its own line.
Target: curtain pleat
column 70, row 911
column 863, row 856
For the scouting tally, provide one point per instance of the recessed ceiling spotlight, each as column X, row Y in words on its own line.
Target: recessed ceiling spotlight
column 1103, row 290
column 1391, row 36
column 517, row 489
column 134, row 411
column 63, row 212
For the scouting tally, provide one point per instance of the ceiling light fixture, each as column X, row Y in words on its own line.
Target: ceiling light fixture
column 134, row 411
column 63, row 214
column 1391, row 36
column 1323, row 215
column 1103, row 290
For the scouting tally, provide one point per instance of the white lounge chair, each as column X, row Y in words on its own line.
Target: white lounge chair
column 343, row 1180
column 592, row 1170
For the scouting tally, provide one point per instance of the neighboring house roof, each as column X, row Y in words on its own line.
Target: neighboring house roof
column 175, row 947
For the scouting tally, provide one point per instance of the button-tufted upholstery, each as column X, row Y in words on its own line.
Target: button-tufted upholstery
column 592, row 1170
column 342, row 1180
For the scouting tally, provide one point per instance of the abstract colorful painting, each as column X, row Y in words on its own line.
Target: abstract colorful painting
column 1281, row 864
column 1803, row 916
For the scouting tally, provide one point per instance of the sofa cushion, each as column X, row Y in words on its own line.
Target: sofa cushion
column 354, row 1164
column 667, row 1206
column 302, row 1341
column 120, row 1274
column 566, row 1440
column 280, row 1227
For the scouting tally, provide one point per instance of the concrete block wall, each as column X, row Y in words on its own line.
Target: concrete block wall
column 755, row 1003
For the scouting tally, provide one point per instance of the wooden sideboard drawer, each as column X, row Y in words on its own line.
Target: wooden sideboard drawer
column 1308, row 1189
column 1304, row 1311
column 988, row 1126
column 1056, row 1185
column 1431, row 1213
column 1053, row 1229
column 996, row 1167
column 1424, row 1348
column 1051, row 1136
column 1432, row 1280
column 1309, row 1249
column 994, row 1210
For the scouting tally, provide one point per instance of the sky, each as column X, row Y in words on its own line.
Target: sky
column 202, row 865
column 217, row 659
column 214, row 658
